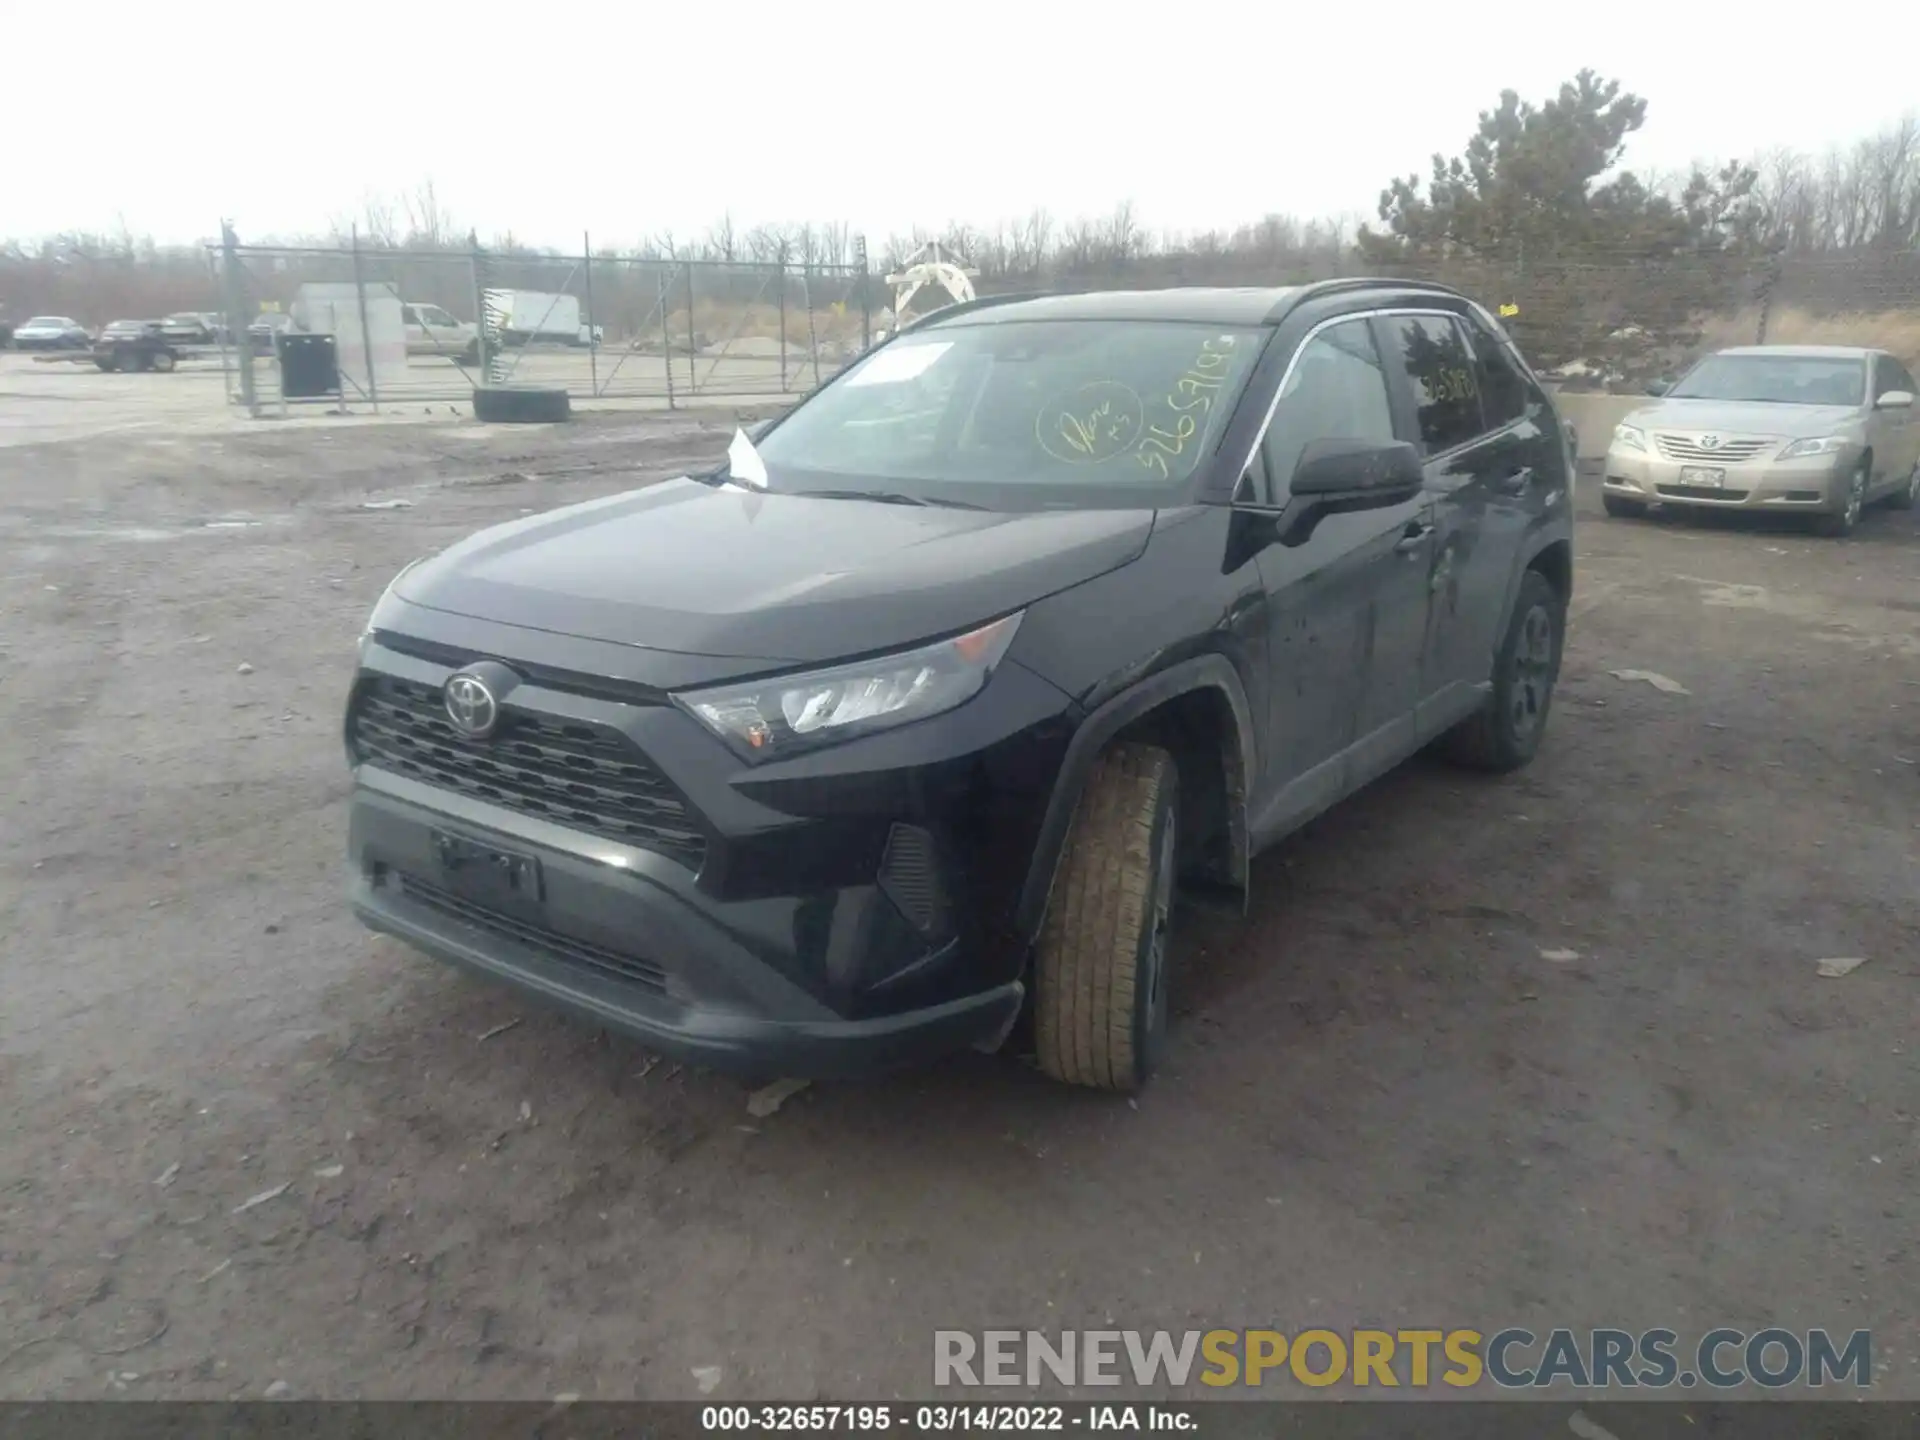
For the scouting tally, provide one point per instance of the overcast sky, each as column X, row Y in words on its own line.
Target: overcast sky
column 626, row 119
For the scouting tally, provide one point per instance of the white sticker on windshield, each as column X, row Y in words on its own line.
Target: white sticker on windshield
column 899, row 362
column 744, row 464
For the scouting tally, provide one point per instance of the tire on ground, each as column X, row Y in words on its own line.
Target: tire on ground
column 1486, row 739
column 521, row 406
column 1090, row 1018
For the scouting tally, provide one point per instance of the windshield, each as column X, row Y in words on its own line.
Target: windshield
column 1776, row 380
column 1069, row 412
column 121, row 327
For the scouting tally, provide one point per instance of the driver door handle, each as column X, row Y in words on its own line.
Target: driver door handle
column 1417, row 533
column 1517, row 482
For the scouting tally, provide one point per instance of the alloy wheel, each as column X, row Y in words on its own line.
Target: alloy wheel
column 1532, row 672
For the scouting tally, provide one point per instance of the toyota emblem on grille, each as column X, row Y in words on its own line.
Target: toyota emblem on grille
column 471, row 706
column 1709, row 442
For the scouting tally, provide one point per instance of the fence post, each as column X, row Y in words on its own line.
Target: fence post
column 1770, row 277
column 366, row 332
column 237, row 321
column 476, row 274
column 813, row 335
column 662, row 287
column 593, row 344
column 866, row 296
column 783, row 317
column 693, row 384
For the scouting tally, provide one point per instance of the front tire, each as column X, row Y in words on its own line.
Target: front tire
column 163, row 361
column 1505, row 732
column 1839, row 524
column 1101, row 997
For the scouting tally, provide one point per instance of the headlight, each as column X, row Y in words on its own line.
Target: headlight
column 786, row 714
column 1825, row 445
column 1630, row 437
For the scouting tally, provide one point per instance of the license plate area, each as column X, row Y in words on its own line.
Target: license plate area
column 1707, row 477
column 488, row 874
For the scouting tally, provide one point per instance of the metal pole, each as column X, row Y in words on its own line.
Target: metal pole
column 692, row 383
column 813, row 336
column 662, row 287
column 236, row 316
column 366, row 331
column 593, row 344
column 866, row 300
column 479, row 305
column 783, row 317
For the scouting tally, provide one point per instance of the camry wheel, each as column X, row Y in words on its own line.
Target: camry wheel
column 1839, row 523
column 1506, row 731
column 1101, row 969
column 1909, row 496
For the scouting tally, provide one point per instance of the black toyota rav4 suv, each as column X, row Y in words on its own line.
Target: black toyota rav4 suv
column 896, row 734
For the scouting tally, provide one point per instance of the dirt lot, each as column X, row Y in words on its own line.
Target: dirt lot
column 1385, row 1105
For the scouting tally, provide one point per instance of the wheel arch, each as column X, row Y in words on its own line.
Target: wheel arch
column 1198, row 709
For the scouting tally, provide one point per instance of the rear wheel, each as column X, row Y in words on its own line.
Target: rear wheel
column 1101, row 998
column 105, row 362
column 1621, row 508
column 162, row 360
column 1838, row 524
column 1504, row 734
column 1908, row 495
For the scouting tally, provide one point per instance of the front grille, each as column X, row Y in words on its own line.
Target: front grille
column 534, row 937
column 1700, row 492
column 1727, row 452
column 583, row 776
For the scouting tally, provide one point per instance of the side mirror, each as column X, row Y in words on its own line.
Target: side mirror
column 1895, row 400
column 1357, row 474
column 1659, row 387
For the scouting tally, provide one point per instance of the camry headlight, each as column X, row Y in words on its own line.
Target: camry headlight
column 786, row 714
column 1632, row 437
column 1825, row 445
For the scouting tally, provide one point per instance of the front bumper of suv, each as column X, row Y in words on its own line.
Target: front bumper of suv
column 834, row 914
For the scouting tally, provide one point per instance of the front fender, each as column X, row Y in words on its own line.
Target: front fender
column 1200, row 672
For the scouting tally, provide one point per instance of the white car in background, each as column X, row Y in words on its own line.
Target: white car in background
column 52, row 332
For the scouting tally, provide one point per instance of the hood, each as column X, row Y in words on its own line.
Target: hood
column 683, row 566
column 1735, row 417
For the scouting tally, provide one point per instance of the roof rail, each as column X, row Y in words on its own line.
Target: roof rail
column 979, row 302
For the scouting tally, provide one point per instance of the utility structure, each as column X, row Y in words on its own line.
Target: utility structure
column 927, row 269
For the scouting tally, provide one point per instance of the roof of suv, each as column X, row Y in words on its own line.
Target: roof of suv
column 1246, row 305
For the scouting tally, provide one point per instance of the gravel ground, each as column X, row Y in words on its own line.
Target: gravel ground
column 247, row 1143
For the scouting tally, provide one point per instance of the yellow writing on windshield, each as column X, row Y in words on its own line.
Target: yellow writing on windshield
column 1089, row 425
column 1189, row 397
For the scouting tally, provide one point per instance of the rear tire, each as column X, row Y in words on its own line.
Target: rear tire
column 106, row 363
column 1101, row 999
column 1909, row 497
column 1621, row 508
column 1504, row 734
column 163, row 361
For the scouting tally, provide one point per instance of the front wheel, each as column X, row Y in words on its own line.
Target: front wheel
column 162, row 361
column 1838, row 524
column 1101, row 998
column 1506, row 731
column 105, row 362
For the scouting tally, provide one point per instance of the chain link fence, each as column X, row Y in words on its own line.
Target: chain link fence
column 415, row 326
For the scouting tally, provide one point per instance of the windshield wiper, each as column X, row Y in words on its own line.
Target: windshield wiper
column 888, row 497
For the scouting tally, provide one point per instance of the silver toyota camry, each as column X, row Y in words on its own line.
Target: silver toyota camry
column 1826, row 430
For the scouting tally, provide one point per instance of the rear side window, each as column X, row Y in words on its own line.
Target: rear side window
column 1440, row 370
column 1503, row 389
